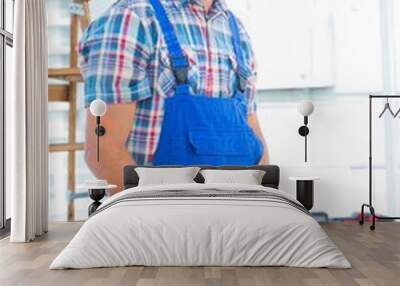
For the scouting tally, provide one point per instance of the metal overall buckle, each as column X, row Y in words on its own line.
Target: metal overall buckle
column 180, row 68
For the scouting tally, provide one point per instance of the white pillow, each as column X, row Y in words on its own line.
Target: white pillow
column 166, row 176
column 248, row 177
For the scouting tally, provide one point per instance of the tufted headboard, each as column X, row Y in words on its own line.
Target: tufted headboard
column 271, row 177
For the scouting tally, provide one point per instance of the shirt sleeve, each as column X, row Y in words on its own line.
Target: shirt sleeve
column 250, row 70
column 251, row 91
column 114, row 52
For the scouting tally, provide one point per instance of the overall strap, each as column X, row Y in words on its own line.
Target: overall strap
column 179, row 61
column 237, row 48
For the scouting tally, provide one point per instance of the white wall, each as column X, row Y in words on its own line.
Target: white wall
column 396, row 28
column 338, row 151
column 338, row 143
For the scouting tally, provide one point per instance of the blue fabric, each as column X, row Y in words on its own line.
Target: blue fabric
column 178, row 58
column 201, row 130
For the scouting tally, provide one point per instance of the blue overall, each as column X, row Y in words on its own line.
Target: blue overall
column 202, row 130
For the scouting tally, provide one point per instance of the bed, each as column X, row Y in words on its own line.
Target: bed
column 198, row 224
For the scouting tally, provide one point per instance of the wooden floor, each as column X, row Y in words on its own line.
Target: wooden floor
column 375, row 257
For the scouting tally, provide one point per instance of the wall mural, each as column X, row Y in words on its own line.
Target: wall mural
column 165, row 83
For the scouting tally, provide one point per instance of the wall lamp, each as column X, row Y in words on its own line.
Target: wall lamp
column 305, row 108
column 98, row 108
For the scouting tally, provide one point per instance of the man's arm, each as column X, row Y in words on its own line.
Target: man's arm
column 115, row 73
column 252, row 120
column 113, row 153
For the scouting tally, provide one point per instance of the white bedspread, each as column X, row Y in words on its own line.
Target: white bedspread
column 182, row 231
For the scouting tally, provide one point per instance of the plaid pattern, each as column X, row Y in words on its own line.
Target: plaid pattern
column 124, row 59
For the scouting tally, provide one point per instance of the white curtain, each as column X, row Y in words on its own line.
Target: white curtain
column 26, row 143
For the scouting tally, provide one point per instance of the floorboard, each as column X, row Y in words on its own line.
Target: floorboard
column 375, row 257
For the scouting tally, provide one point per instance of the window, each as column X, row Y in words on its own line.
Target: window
column 67, row 167
column 6, row 44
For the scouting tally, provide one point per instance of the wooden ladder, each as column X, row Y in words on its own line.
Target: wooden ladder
column 67, row 93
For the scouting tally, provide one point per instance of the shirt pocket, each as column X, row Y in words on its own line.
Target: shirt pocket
column 167, row 80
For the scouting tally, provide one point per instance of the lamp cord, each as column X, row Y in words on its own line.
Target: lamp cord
column 305, row 150
column 98, row 143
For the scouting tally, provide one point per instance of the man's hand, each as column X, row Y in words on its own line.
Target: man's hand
column 113, row 153
column 253, row 122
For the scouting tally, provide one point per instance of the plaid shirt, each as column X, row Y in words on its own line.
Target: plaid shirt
column 124, row 59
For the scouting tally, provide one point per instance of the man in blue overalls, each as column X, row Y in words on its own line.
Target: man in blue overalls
column 179, row 80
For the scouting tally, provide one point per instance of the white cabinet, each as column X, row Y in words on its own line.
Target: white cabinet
column 322, row 72
column 292, row 41
column 359, row 39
